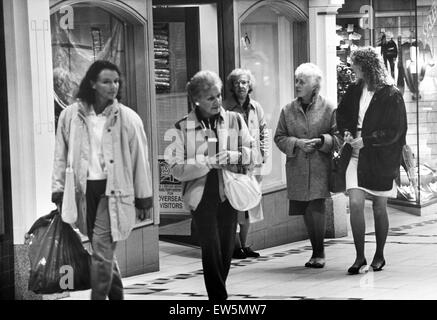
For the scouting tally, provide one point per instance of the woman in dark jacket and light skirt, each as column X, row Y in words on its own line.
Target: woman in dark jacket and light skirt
column 372, row 120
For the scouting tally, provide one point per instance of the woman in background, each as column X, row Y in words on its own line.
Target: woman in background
column 240, row 83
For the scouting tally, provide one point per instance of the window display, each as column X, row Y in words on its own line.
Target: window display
column 95, row 35
column 162, row 54
column 171, row 103
column 269, row 49
column 404, row 33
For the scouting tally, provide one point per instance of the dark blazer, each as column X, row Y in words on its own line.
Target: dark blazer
column 383, row 131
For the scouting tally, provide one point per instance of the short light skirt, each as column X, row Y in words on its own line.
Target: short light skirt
column 352, row 181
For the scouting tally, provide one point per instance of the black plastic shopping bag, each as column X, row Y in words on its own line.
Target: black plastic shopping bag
column 58, row 260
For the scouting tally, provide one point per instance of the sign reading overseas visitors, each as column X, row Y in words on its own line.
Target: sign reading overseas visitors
column 170, row 190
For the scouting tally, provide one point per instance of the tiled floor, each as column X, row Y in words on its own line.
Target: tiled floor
column 279, row 273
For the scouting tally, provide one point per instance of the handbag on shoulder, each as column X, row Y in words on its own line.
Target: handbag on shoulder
column 242, row 190
column 337, row 174
column 69, row 207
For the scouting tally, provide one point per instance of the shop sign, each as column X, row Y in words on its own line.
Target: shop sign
column 366, row 22
column 170, row 190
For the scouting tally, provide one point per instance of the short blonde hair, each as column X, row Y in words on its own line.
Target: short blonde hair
column 201, row 82
column 311, row 71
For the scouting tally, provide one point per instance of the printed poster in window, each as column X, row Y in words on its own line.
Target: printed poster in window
column 170, row 190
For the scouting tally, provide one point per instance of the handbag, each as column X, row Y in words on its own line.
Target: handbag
column 69, row 207
column 391, row 52
column 337, row 174
column 242, row 190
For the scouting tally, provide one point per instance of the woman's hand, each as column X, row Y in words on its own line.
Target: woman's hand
column 357, row 143
column 306, row 145
column 348, row 137
column 142, row 214
column 317, row 142
column 59, row 207
column 228, row 157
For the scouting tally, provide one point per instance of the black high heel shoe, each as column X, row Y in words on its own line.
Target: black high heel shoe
column 375, row 268
column 356, row 270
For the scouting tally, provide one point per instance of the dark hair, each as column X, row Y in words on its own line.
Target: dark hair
column 86, row 92
column 374, row 72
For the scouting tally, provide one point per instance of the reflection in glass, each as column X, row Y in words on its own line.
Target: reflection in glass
column 411, row 25
column 270, row 48
column 96, row 35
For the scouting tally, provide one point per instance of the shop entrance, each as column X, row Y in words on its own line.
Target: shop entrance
column 180, row 51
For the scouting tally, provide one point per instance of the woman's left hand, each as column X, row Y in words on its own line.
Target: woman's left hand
column 357, row 143
column 142, row 214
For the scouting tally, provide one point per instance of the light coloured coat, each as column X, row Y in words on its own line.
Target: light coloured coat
column 258, row 129
column 307, row 173
column 125, row 150
column 187, row 160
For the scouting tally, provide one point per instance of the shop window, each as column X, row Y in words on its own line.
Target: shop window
column 410, row 26
column 95, row 35
column 272, row 45
column 176, row 57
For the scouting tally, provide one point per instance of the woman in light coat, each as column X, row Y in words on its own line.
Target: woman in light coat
column 199, row 157
column 111, row 166
column 240, row 83
column 305, row 134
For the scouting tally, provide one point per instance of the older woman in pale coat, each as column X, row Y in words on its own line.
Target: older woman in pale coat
column 240, row 83
column 305, row 134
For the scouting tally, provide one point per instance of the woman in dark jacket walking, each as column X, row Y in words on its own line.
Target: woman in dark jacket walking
column 372, row 120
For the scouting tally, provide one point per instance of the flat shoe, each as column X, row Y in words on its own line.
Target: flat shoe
column 250, row 253
column 239, row 254
column 310, row 262
column 316, row 263
column 375, row 268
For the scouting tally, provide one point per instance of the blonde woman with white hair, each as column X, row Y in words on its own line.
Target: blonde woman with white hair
column 305, row 134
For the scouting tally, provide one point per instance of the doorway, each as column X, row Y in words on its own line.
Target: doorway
column 180, row 51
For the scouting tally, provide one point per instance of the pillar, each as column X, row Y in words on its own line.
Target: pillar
column 31, row 121
column 323, row 41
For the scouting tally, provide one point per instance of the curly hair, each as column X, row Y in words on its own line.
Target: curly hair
column 201, row 82
column 236, row 74
column 375, row 75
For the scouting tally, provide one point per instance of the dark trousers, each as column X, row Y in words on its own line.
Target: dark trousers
column 105, row 274
column 392, row 65
column 216, row 224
